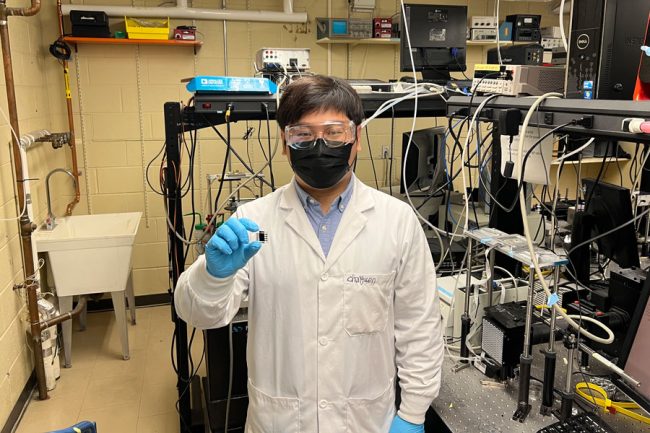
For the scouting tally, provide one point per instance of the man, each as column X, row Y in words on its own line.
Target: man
column 341, row 298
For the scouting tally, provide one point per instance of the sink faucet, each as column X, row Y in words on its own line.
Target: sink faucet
column 50, row 222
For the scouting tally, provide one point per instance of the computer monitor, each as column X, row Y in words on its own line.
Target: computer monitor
column 636, row 351
column 438, row 35
column 609, row 206
column 422, row 168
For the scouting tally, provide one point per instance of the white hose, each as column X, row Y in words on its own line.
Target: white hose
column 529, row 241
column 576, row 151
column 496, row 15
column 562, row 34
column 435, row 229
column 462, row 159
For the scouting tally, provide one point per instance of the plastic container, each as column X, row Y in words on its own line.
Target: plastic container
column 147, row 28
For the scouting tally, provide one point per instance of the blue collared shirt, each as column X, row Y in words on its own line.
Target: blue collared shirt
column 325, row 225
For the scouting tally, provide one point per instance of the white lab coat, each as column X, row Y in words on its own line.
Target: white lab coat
column 326, row 333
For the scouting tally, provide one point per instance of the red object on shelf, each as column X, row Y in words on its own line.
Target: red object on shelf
column 382, row 23
column 642, row 88
column 382, row 28
column 185, row 34
column 383, row 33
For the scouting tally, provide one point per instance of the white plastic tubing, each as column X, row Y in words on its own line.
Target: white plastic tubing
column 181, row 11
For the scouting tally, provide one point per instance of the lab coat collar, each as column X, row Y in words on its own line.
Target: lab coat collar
column 352, row 222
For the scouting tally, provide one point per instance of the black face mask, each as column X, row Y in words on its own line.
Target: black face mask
column 321, row 167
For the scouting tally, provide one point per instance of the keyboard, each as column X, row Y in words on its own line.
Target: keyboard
column 583, row 423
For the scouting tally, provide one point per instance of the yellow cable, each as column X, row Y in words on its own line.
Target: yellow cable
column 624, row 408
column 545, row 272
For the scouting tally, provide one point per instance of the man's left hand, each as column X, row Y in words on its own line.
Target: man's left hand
column 401, row 426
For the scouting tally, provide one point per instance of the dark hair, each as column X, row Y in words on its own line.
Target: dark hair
column 318, row 93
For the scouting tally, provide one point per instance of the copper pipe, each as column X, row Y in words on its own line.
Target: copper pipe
column 26, row 226
column 25, row 12
column 65, row 316
column 60, row 13
column 73, row 145
column 68, row 100
column 35, row 331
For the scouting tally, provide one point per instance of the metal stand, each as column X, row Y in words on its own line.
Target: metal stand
column 566, row 407
column 583, row 363
column 526, row 360
column 176, row 257
column 550, row 358
column 490, row 282
column 466, row 323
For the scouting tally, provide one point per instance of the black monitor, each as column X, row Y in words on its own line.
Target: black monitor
column 609, row 206
column 636, row 351
column 422, row 168
column 438, row 35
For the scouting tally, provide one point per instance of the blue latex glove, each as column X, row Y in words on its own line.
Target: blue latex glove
column 401, row 426
column 229, row 249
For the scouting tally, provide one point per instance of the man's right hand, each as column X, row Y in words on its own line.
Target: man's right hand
column 229, row 249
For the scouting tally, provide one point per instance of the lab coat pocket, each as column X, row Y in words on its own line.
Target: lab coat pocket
column 373, row 414
column 267, row 414
column 366, row 301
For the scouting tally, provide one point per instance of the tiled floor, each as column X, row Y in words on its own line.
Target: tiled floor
column 134, row 396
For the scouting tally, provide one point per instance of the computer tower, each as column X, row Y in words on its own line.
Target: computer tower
column 604, row 48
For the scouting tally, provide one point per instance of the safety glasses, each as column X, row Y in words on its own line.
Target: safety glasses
column 334, row 134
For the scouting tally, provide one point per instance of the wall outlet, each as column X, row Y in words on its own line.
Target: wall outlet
column 385, row 153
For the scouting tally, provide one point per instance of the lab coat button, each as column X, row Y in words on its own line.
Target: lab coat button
column 323, row 404
column 324, row 276
column 323, row 341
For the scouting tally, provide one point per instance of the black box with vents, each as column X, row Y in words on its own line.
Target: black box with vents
column 503, row 337
column 90, row 24
column 525, row 27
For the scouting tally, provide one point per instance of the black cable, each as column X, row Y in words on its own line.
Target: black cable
column 60, row 50
column 249, row 131
column 268, row 137
column 189, row 352
column 193, row 140
column 461, row 68
column 600, row 174
column 471, row 190
column 523, row 169
column 190, row 156
column 223, row 176
column 620, row 170
column 609, row 232
column 259, row 140
column 188, row 385
column 234, row 152
column 634, row 163
column 161, row 192
column 372, row 160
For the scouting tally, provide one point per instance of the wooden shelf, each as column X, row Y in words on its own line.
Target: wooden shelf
column 117, row 41
column 352, row 41
column 592, row 160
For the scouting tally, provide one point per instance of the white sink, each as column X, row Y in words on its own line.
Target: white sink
column 89, row 253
